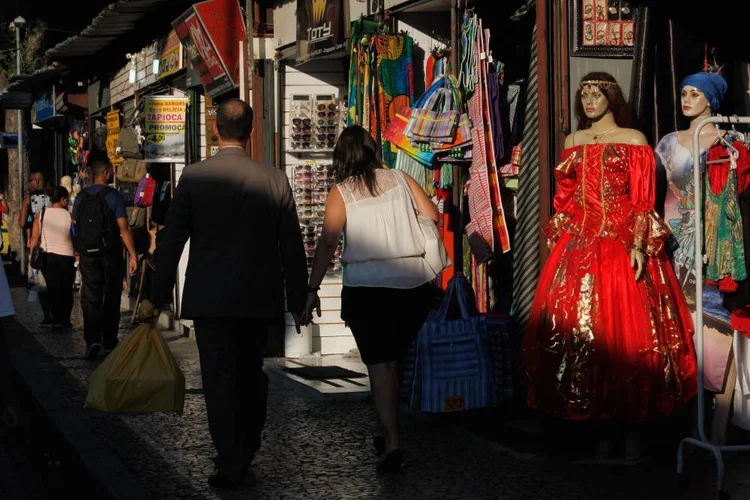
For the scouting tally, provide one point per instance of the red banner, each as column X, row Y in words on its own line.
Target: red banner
column 210, row 32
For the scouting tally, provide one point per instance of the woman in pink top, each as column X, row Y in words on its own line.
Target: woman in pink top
column 51, row 229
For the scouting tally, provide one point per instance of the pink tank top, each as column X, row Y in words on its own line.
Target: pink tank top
column 56, row 236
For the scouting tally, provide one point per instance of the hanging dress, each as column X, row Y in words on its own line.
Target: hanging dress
column 599, row 344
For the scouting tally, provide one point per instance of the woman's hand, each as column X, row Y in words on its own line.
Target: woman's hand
column 312, row 303
column 636, row 261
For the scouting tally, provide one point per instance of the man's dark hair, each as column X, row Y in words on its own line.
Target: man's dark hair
column 98, row 168
column 234, row 119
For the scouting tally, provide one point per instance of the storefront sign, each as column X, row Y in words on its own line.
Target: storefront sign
column 212, row 140
column 44, row 106
column 322, row 28
column 170, row 59
column 211, row 32
column 113, row 134
column 165, row 128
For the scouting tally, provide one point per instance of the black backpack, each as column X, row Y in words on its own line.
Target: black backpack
column 96, row 231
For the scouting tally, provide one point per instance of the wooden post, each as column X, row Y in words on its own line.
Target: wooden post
column 545, row 179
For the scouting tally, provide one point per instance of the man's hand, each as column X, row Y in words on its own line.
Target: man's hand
column 297, row 324
column 313, row 303
column 133, row 265
column 148, row 313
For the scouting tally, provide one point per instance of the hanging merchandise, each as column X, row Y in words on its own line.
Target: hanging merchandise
column 380, row 82
column 437, row 65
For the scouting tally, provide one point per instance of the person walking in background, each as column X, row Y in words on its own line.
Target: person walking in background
column 8, row 414
column 3, row 204
column 245, row 244
column 101, row 228
column 37, row 199
column 383, row 263
column 52, row 230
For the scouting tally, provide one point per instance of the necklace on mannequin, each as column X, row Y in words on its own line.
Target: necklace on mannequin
column 598, row 136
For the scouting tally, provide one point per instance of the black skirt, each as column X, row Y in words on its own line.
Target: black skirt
column 384, row 321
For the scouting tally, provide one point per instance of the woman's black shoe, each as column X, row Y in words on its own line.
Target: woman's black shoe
column 379, row 443
column 224, row 482
column 391, row 463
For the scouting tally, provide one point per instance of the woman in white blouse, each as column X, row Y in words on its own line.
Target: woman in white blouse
column 387, row 290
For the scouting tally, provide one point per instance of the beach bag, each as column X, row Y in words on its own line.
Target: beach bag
column 434, row 116
column 453, row 365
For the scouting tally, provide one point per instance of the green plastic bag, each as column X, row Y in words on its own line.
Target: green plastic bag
column 139, row 375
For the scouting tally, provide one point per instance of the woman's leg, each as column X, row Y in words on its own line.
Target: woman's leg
column 385, row 392
column 52, row 276
column 68, row 276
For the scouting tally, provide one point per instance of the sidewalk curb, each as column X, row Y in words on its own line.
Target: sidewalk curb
column 101, row 463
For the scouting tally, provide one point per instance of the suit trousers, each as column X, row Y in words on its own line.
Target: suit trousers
column 235, row 387
column 101, row 296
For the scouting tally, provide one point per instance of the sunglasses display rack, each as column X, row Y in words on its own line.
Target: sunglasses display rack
column 301, row 116
column 316, row 122
column 311, row 183
column 327, row 121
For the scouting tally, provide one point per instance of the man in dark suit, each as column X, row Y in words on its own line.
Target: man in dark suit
column 245, row 243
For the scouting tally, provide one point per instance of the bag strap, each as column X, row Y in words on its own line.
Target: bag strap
column 402, row 179
column 459, row 293
column 438, row 83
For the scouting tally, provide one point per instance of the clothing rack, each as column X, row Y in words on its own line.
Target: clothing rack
column 702, row 441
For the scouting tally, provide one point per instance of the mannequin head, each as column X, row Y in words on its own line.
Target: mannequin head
column 67, row 182
column 599, row 94
column 701, row 94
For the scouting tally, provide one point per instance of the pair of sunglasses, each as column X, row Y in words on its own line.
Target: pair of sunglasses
column 301, row 121
column 329, row 114
column 301, row 145
column 302, row 130
column 322, row 107
column 323, row 137
column 327, row 145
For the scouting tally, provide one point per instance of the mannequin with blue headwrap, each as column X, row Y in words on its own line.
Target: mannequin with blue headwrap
column 701, row 95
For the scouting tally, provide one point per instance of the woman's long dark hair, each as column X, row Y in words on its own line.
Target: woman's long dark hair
column 356, row 157
column 617, row 103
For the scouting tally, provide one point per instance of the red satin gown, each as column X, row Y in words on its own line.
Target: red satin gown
column 599, row 344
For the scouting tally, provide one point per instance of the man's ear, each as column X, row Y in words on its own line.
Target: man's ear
column 216, row 129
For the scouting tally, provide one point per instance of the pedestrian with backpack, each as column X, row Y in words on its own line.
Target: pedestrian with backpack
column 100, row 230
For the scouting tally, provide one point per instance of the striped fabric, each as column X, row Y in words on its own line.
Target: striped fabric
column 526, row 251
column 453, row 366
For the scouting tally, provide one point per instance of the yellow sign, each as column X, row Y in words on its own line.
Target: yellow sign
column 170, row 59
column 165, row 128
column 113, row 134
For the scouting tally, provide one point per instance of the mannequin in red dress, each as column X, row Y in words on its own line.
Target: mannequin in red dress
column 610, row 334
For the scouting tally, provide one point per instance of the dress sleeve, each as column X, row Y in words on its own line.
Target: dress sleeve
column 647, row 226
column 566, row 181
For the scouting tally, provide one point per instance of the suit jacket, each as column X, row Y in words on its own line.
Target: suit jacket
column 245, row 241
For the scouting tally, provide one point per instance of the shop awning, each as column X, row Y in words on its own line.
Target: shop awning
column 113, row 22
column 15, row 99
column 19, row 94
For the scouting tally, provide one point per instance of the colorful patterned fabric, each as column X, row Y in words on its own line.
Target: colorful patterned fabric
column 395, row 84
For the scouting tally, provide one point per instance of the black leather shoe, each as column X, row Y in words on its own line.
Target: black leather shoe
column 379, row 443
column 391, row 463
column 223, row 481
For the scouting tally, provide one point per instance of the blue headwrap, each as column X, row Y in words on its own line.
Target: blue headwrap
column 713, row 86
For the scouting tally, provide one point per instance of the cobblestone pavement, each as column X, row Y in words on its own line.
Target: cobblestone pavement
column 321, row 450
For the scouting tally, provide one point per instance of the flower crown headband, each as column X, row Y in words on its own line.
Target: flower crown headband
column 596, row 83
